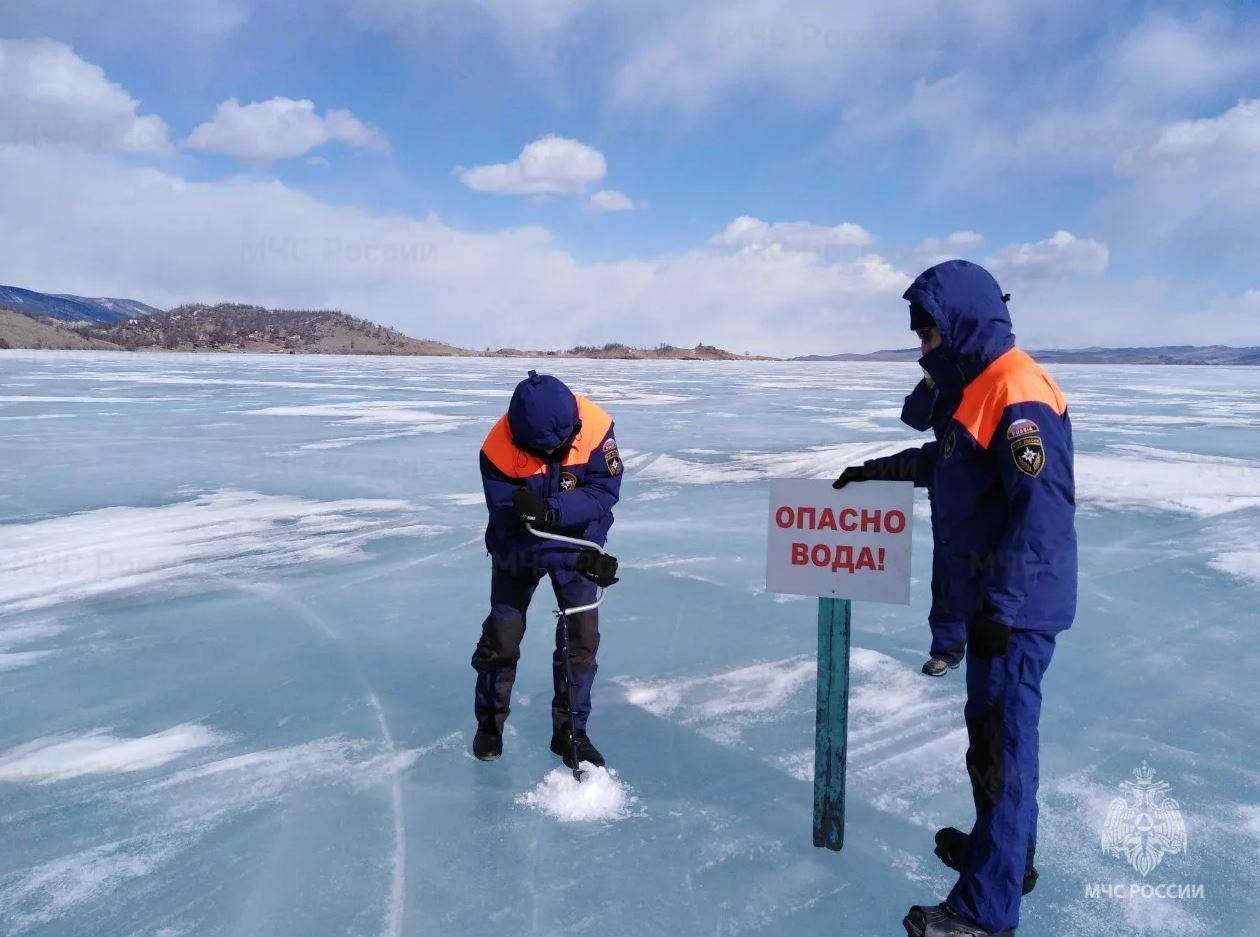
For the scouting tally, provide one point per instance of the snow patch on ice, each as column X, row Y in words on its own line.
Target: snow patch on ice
column 815, row 462
column 906, row 738
column 54, row 887
column 723, row 705
column 1129, row 476
column 17, row 635
column 375, row 411
column 1250, row 814
column 178, row 811
column 195, row 543
column 630, row 397
column 139, row 377
column 256, row 777
column 22, row 659
column 599, row 796
column 98, row 752
column 14, row 660
column 798, row 764
column 15, row 398
column 466, row 499
column 1244, row 564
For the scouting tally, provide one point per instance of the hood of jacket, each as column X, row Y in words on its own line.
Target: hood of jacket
column 967, row 306
column 543, row 414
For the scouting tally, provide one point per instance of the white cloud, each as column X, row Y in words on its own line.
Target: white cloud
column 550, row 165
column 96, row 226
column 1062, row 254
column 1078, row 112
column 746, row 232
column 280, row 128
column 1228, row 140
column 934, row 250
column 149, row 27
column 1164, row 56
column 607, row 200
column 1194, row 180
column 48, row 94
column 92, row 225
column 523, row 27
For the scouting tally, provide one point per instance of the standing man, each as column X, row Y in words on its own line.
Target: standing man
column 551, row 462
column 1003, row 520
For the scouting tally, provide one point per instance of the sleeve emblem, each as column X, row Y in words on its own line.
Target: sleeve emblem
column 1029, row 454
column 612, row 457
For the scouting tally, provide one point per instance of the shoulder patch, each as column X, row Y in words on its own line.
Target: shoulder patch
column 610, row 443
column 1029, row 454
column 612, row 458
column 1021, row 428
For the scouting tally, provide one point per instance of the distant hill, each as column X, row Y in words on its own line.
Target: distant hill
column 618, row 351
column 894, row 354
column 67, row 308
column 19, row 330
column 242, row 328
column 236, row 327
column 1162, row 354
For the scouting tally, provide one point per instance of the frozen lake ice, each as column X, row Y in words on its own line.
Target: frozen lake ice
column 238, row 597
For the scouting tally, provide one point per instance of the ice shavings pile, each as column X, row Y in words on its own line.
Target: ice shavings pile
column 599, row 796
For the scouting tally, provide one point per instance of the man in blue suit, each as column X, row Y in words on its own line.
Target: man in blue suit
column 551, row 462
column 1004, row 538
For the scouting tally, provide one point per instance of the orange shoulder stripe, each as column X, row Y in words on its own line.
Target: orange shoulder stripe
column 1011, row 378
column 595, row 426
column 516, row 463
column 503, row 454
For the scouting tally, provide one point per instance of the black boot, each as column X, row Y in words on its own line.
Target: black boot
column 951, row 848
column 586, row 749
column 939, row 921
column 488, row 742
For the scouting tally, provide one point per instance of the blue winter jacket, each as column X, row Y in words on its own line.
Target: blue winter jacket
column 1000, row 476
column 561, row 446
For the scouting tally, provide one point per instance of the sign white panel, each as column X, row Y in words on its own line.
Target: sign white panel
column 848, row 544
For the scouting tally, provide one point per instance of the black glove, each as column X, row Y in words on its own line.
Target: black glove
column 988, row 638
column 854, row 473
column 902, row 467
column 599, row 568
column 531, row 507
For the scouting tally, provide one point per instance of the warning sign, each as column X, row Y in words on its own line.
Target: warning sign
column 848, row 544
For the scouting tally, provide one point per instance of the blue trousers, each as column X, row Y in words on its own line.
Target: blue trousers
column 1002, row 713
column 949, row 630
column 949, row 636
column 499, row 649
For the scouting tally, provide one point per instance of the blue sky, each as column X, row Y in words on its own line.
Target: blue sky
column 763, row 174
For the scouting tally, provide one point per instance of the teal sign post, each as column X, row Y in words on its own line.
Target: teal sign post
column 837, row 545
column 831, row 723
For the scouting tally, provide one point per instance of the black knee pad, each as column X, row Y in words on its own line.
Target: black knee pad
column 500, row 644
column 988, row 638
column 987, row 736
